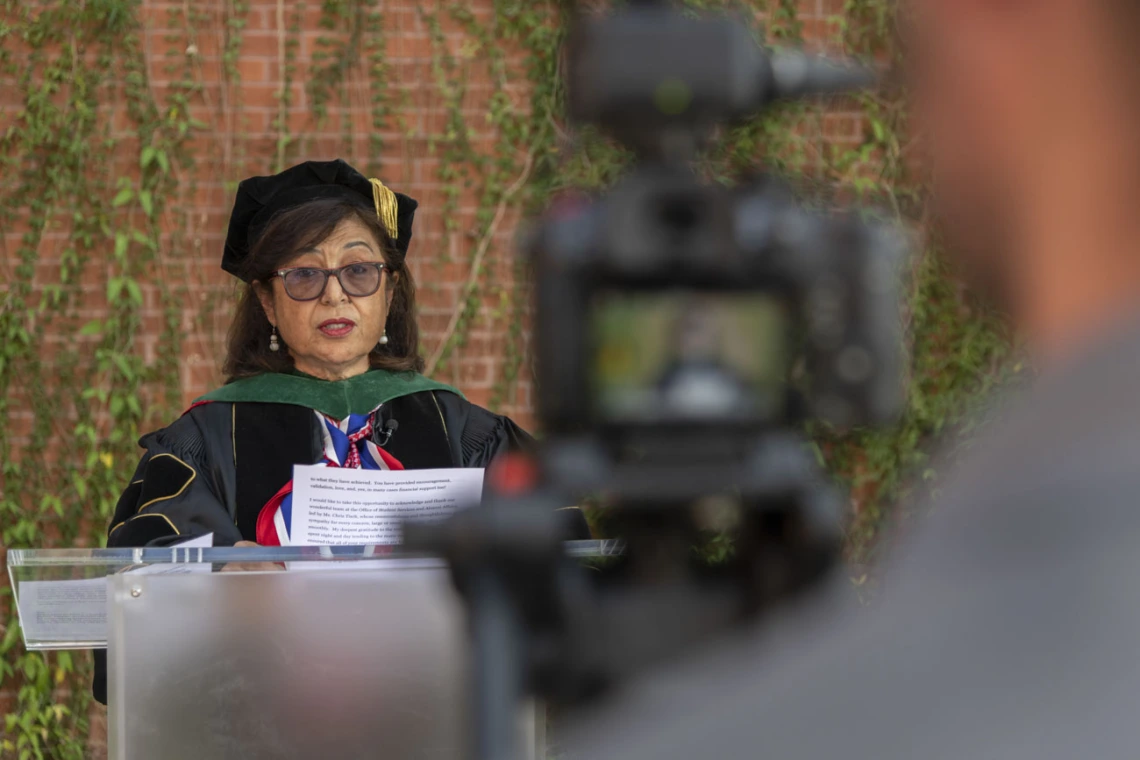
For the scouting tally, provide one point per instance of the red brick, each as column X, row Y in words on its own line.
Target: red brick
column 481, row 396
column 254, row 69
column 475, row 373
column 259, row 44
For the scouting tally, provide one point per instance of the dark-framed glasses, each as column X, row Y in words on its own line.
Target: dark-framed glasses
column 308, row 283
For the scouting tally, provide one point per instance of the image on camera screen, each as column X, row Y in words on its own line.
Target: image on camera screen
column 687, row 355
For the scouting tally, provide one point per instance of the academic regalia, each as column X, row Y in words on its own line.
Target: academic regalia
column 217, row 466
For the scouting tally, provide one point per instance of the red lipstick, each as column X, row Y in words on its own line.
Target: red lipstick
column 336, row 328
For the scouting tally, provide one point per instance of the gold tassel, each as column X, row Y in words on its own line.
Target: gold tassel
column 386, row 205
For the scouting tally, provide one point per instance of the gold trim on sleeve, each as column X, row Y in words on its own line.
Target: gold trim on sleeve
column 148, row 514
column 193, row 474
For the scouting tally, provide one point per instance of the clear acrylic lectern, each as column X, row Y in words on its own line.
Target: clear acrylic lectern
column 300, row 652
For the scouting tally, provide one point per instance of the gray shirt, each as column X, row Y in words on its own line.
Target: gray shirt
column 1010, row 627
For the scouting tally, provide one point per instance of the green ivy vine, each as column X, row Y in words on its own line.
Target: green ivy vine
column 88, row 245
column 95, row 248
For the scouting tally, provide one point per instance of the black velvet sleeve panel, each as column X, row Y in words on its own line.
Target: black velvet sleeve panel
column 181, row 488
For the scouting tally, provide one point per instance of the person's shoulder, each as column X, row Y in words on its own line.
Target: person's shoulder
column 1051, row 478
column 483, row 434
column 472, row 414
column 190, row 429
column 205, row 413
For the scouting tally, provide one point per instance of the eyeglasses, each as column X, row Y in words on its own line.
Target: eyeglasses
column 308, row 283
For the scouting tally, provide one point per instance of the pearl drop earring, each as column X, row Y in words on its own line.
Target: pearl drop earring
column 384, row 338
column 274, row 346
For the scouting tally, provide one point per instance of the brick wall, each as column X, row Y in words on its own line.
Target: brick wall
column 243, row 124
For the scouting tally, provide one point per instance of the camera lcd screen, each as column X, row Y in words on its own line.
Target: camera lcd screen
column 684, row 355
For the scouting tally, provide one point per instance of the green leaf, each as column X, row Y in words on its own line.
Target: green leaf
column 147, row 202
column 123, row 197
column 94, row 327
column 135, row 292
column 121, row 243
column 124, row 367
column 147, row 157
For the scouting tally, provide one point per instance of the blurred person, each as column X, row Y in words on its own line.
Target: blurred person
column 696, row 380
column 322, row 367
column 1010, row 624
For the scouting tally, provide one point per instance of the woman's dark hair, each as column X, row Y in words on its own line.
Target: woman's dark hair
column 289, row 232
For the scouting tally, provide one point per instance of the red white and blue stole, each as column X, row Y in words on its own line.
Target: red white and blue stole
column 347, row 443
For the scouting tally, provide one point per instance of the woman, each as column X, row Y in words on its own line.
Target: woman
column 322, row 367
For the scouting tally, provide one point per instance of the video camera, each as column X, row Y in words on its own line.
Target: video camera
column 684, row 332
column 668, row 270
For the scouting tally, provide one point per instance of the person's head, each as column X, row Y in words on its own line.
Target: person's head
column 330, row 332
column 697, row 331
column 1030, row 111
column 321, row 250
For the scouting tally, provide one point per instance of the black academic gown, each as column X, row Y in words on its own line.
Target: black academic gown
column 213, row 469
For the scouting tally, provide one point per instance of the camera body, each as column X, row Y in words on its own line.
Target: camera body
column 675, row 306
